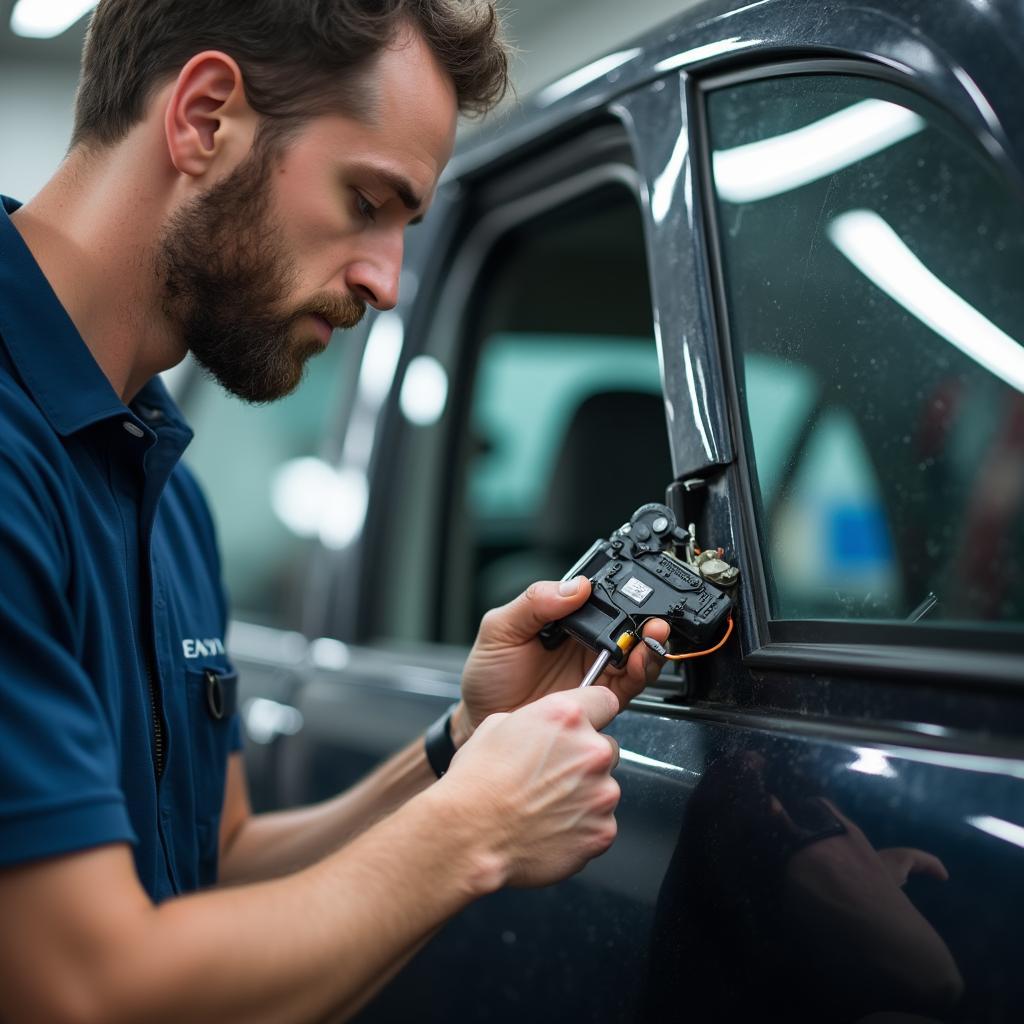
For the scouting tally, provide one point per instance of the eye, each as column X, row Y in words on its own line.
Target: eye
column 365, row 208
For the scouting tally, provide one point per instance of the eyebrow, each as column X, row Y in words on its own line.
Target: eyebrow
column 398, row 184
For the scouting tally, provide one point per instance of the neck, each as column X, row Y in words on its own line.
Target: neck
column 92, row 230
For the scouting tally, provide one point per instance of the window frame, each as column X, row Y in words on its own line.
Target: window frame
column 933, row 651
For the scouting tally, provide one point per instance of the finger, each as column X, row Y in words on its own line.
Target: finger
column 781, row 815
column 851, row 826
column 657, row 628
column 599, row 704
column 615, row 752
column 644, row 666
column 901, row 862
column 542, row 602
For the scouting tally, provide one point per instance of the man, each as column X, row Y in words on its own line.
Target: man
column 239, row 182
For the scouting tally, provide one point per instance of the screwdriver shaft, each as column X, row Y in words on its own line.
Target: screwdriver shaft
column 596, row 669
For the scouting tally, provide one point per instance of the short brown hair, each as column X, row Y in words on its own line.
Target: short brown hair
column 299, row 58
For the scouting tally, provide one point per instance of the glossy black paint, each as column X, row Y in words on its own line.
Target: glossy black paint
column 705, row 909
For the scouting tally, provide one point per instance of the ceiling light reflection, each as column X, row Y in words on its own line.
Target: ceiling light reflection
column 328, row 653
column 265, row 720
column 590, row 73
column 424, row 391
column 650, row 762
column 44, row 19
column 313, row 499
column 872, row 246
column 380, row 357
column 872, row 762
column 774, row 165
column 1005, row 830
column 708, row 50
column 665, row 183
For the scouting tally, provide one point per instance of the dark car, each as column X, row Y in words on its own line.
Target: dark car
column 769, row 262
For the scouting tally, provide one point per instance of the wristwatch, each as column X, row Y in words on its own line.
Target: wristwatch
column 438, row 742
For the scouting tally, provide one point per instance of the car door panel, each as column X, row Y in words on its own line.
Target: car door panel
column 683, row 910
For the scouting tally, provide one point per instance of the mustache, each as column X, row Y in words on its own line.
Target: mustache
column 340, row 311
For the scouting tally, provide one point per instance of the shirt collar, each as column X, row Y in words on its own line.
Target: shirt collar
column 56, row 366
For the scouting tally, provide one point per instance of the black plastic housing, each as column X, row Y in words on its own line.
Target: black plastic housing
column 636, row 575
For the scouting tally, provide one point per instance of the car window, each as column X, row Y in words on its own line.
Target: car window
column 543, row 407
column 871, row 260
column 566, row 416
column 262, row 471
column 557, row 431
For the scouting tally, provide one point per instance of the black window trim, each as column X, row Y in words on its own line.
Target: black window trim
column 927, row 651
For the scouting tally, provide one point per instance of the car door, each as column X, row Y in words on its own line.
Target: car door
column 863, row 234
column 822, row 822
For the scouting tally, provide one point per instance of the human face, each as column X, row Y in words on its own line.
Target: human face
column 224, row 268
column 298, row 240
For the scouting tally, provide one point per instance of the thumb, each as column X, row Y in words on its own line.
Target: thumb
column 901, row 862
column 599, row 704
column 543, row 602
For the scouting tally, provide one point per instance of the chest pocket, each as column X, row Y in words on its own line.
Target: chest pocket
column 212, row 701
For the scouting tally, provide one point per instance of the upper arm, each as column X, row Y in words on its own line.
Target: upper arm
column 62, row 918
column 59, row 774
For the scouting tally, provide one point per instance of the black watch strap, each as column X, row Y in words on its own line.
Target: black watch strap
column 438, row 742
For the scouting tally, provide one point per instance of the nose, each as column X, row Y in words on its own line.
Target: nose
column 375, row 279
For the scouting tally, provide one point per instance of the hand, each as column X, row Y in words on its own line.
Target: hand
column 508, row 666
column 536, row 786
column 851, row 897
column 903, row 861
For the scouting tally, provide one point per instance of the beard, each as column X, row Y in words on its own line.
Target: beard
column 224, row 270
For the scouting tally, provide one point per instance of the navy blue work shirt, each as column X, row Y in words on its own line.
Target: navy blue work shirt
column 116, row 694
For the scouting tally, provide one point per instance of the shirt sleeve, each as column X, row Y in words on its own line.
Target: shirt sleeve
column 59, row 783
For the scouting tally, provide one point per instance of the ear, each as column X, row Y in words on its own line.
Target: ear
column 208, row 117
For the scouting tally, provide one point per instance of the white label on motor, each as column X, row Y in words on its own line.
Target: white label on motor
column 635, row 590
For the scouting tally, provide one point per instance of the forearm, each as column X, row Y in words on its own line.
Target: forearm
column 281, row 842
column 527, row 802
column 309, row 947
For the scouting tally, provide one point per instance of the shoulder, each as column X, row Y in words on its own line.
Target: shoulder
column 31, row 457
column 23, row 427
column 36, row 539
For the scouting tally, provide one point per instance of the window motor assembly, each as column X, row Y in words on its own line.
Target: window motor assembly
column 649, row 568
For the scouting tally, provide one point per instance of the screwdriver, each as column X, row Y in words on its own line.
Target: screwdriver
column 625, row 643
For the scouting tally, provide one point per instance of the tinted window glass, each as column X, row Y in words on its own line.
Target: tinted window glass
column 872, row 268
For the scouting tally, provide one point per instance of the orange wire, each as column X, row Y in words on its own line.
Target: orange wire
column 700, row 654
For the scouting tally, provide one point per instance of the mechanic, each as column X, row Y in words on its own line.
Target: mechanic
column 238, row 184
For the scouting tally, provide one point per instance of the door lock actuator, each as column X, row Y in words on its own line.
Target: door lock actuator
column 649, row 568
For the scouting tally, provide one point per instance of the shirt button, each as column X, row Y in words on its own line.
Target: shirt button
column 133, row 429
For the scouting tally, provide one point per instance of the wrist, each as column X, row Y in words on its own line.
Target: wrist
column 474, row 859
column 460, row 727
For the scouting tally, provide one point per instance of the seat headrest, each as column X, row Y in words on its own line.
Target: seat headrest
column 614, row 458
